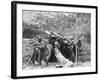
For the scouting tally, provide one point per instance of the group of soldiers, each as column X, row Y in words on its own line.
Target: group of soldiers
column 59, row 50
column 39, row 52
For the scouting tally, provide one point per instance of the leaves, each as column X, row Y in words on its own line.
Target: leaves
column 64, row 23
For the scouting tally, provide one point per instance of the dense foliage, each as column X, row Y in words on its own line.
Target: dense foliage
column 76, row 24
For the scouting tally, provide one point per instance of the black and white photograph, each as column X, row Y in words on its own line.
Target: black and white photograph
column 54, row 39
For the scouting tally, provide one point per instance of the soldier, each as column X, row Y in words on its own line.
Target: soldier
column 62, row 61
column 35, row 55
column 52, row 39
column 42, row 54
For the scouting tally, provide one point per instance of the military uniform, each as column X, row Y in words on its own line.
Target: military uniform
column 42, row 53
column 35, row 55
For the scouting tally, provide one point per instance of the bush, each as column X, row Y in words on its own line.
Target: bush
column 27, row 33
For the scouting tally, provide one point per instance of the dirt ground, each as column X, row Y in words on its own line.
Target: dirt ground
column 54, row 65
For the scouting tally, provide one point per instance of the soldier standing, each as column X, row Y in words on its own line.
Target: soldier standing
column 42, row 54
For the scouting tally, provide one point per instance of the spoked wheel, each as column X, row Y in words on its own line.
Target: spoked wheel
column 48, row 51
